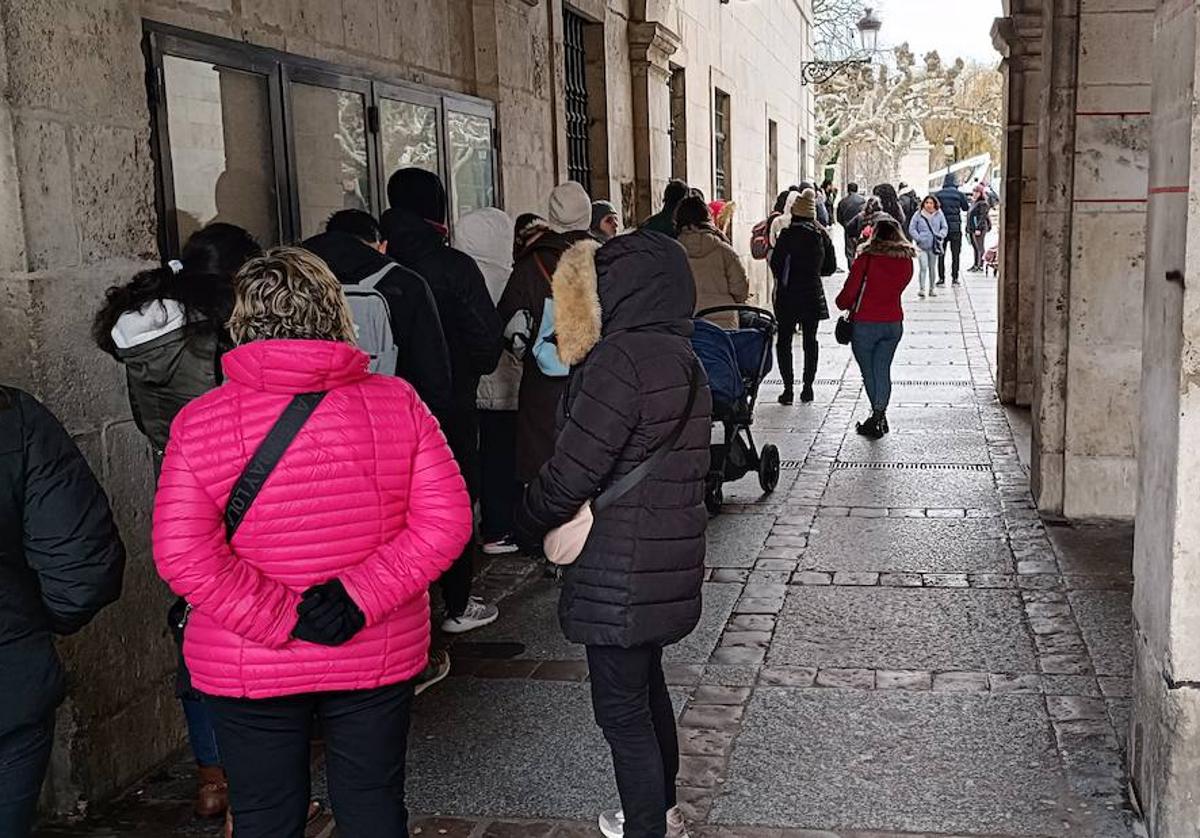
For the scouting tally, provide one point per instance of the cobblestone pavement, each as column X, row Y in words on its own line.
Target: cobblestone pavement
column 893, row 644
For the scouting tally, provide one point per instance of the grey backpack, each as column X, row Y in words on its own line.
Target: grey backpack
column 373, row 322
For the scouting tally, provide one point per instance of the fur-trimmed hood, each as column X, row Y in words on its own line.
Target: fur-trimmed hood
column 640, row 280
column 899, row 250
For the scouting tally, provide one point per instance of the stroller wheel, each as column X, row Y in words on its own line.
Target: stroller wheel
column 714, row 497
column 768, row 468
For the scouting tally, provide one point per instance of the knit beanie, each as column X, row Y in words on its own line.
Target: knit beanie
column 600, row 211
column 806, row 205
column 419, row 192
column 570, row 207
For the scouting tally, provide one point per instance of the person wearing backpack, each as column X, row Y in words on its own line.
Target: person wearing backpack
column 304, row 509
column 527, row 309
column 393, row 308
column 418, row 238
column 979, row 224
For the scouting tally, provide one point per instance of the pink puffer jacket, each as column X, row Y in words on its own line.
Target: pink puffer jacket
column 368, row 492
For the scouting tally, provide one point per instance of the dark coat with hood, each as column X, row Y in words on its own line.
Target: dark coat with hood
column 849, row 207
column 662, row 221
column 624, row 321
column 423, row 359
column 803, row 254
column 954, row 204
column 61, row 558
column 469, row 321
column 527, row 291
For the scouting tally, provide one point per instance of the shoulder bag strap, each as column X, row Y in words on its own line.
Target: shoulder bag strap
column 623, row 486
column 862, row 287
column 266, row 457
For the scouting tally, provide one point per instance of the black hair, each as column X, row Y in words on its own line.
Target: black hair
column 355, row 222
column 692, row 212
column 781, row 201
column 204, row 283
column 852, row 187
column 675, row 192
column 936, row 203
column 827, row 183
column 886, row 193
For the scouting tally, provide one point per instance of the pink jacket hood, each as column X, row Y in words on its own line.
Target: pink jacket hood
column 368, row 493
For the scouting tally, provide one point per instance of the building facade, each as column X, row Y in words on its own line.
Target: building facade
column 127, row 124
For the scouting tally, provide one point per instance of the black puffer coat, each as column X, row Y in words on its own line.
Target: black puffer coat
column 803, row 254
column 638, row 580
column 61, row 559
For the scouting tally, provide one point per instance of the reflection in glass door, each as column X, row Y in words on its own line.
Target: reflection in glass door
column 408, row 136
column 330, row 133
column 472, row 162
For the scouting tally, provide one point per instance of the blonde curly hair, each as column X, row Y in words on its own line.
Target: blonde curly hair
column 289, row 293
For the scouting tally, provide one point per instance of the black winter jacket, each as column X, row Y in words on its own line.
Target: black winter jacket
column 803, row 254
column 849, row 207
column 423, row 359
column 61, row 558
column 638, row 580
column 954, row 204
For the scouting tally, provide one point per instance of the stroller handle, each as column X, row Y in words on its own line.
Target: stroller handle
column 761, row 312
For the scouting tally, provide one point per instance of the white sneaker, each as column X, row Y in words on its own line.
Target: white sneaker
column 501, row 547
column 477, row 615
column 612, row 824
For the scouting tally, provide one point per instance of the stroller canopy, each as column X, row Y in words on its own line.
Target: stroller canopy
column 714, row 347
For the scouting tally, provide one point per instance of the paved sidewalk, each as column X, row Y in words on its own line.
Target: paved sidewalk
column 892, row 643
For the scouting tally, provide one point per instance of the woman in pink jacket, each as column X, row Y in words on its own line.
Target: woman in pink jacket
column 317, row 604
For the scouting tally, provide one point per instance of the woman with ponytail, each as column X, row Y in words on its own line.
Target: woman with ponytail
column 168, row 327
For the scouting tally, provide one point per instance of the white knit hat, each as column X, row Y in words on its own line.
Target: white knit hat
column 570, row 207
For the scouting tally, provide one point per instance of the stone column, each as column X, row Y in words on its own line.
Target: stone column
column 1164, row 750
column 1018, row 37
column 651, row 45
column 1056, row 179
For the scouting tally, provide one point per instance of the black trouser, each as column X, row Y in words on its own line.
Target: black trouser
column 264, row 744
column 633, row 708
column 977, row 241
column 499, row 490
column 954, row 243
column 788, row 322
column 24, row 755
column 851, row 249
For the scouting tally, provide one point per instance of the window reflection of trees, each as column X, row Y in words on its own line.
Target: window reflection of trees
column 409, row 136
column 471, row 171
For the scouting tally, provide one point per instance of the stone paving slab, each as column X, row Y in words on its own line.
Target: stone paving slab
column 1106, row 620
column 913, row 489
column 909, row 545
column 523, row 749
column 903, row 628
column 934, row 420
column 1105, row 549
column 736, row 540
column 905, row 394
column 901, row 446
column 921, row 762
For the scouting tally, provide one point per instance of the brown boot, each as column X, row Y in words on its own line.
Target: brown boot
column 212, row 791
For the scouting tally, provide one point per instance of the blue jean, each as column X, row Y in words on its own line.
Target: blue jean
column 201, row 735
column 874, row 346
column 24, row 756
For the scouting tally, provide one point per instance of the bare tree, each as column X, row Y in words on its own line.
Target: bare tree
column 835, row 35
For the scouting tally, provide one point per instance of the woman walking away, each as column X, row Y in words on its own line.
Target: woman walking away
column 637, row 397
column 979, row 224
column 928, row 232
column 716, row 268
column 308, row 589
column 889, row 201
column 803, row 254
column 872, row 296
column 167, row 327
column 486, row 235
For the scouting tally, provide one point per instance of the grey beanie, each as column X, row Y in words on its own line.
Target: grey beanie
column 570, row 207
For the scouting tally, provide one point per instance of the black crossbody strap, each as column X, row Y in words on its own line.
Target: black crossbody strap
column 623, row 486
column 862, row 288
column 268, row 454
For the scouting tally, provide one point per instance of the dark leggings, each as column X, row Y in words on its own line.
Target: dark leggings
column 788, row 323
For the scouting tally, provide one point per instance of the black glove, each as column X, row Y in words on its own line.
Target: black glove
column 328, row 615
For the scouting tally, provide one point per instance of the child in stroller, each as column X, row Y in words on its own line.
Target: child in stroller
column 736, row 362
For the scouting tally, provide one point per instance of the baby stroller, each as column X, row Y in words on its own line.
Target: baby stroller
column 736, row 363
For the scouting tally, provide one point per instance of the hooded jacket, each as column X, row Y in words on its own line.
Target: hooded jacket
column 954, row 204
column 469, row 320
column 926, row 231
column 423, row 359
column 486, row 236
column 625, row 323
column 717, row 271
column 61, row 558
column 521, row 309
column 368, row 493
column 849, row 207
column 803, row 254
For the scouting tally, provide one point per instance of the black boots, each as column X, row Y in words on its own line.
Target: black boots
column 787, row 396
column 806, row 395
column 875, row 427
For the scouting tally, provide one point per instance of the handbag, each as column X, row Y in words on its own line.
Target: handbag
column 843, row 331
column 250, row 482
column 564, row 544
column 939, row 245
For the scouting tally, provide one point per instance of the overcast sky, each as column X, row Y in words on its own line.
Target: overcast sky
column 955, row 28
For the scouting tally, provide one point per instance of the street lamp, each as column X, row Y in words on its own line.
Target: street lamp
column 819, row 72
column 950, row 147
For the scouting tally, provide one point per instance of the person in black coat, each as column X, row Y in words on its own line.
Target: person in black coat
column 847, row 210
column 623, row 318
column 352, row 248
column 61, row 561
column 954, row 204
column 416, row 234
column 803, row 254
